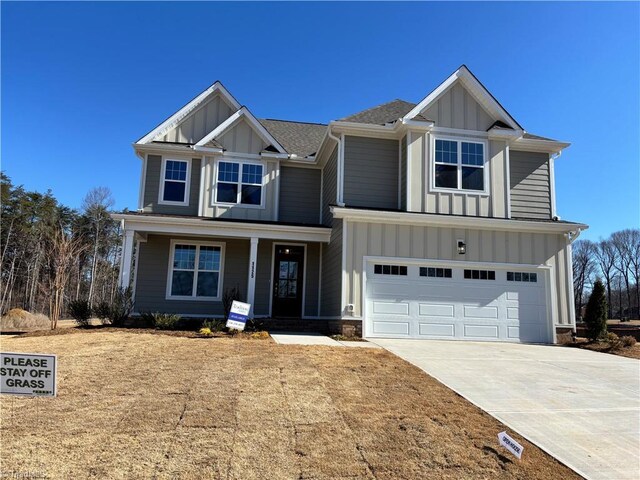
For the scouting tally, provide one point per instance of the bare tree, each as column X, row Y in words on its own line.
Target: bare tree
column 606, row 257
column 621, row 241
column 584, row 267
column 634, row 257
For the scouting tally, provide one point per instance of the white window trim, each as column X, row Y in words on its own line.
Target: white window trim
column 187, row 182
column 240, row 162
column 460, row 190
column 193, row 297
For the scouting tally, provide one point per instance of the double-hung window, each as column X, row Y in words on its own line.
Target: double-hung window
column 459, row 165
column 239, row 183
column 175, row 182
column 195, row 271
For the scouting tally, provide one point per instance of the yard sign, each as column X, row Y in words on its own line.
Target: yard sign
column 510, row 444
column 238, row 315
column 28, row 374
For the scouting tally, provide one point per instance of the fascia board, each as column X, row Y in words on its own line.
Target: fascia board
column 407, row 218
column 196, row 226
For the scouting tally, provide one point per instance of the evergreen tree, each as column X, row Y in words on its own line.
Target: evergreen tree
column 596, row 314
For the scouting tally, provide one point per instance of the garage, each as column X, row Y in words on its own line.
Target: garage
column 457, row 302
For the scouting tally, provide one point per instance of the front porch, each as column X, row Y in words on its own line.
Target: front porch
column 187, row 265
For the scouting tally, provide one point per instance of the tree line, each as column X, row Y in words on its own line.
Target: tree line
column 616, row 262
column 52, row 254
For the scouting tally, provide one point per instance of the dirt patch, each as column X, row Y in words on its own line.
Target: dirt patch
column 159, row 406
column 604, row 347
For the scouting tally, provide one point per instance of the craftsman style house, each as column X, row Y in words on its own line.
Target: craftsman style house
column 429, row 220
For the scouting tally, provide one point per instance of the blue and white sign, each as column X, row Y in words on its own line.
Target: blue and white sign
column 238, row 315
column 510, row 444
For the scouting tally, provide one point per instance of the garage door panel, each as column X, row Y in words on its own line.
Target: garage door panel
column 481, row 331
column 391, row 328
column 471, row 311
column 513, row 313
column 513, row 332
column 434, row 310
column 391, row 308
column 389, row 289
column 437, row 330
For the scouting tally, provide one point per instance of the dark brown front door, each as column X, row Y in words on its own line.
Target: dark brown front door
column 287, row 281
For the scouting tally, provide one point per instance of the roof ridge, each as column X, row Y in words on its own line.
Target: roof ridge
column 292, row 121
column 378, row 106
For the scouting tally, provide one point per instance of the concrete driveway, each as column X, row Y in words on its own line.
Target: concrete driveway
column 581, row 407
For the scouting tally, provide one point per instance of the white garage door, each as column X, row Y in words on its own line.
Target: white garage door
column 439, row 302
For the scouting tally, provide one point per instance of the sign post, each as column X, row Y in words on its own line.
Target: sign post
column 238, row 315
column 28, row 374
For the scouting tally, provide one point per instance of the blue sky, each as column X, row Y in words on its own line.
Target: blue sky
column 82, row 81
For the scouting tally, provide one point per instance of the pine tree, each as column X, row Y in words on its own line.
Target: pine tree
column 596, row 314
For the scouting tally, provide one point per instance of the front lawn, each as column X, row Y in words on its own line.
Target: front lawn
column 135, row 405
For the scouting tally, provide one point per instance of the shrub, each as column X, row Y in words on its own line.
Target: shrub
column 628, row 341
column 20, row 320
column 214, row 325
column 260, row 335
column 614, row 341
column 165, row 321
column 121, row 307
column 80, row 310
column 229, row 295
column 206, row 332
column 596, row 313
column 102, row 311
column 254, row 325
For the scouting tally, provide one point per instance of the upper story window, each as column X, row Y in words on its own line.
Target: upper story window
column 459, row 165
column 174, row 187
column 239, row 183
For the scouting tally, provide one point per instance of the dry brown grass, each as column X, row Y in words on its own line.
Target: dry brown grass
column 20, row 320
column 134, row 405
column 604, row 347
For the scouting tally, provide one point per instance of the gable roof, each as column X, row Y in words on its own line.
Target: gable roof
column 381, row 114
column 298, row 138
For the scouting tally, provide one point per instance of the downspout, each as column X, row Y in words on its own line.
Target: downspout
column 570, row 238
column 339, row 166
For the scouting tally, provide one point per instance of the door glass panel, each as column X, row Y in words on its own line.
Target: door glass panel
column 293, row 288
column 293, row 270
column 283, row 288
column 284, row 270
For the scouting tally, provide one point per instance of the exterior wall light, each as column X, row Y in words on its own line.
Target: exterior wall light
column 462, row 247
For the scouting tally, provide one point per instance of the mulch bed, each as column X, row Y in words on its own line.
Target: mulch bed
column 604, row 347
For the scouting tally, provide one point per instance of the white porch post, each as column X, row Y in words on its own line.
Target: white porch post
column 125, row 259
column 251, row 286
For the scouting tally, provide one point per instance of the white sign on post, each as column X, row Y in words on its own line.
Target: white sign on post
column 238, row 315
column 510, row 444
column 30, row 374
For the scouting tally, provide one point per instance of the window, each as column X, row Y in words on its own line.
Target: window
column 239, row 183
column 175, row 185
column 435, row 272
column 390, row 270
column 195, row 271
column 480, row 274
column 459, row 165
column 522, row 277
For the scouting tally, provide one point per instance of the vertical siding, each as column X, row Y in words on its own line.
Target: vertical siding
column 530, row 185
column 331, row 296
column 239, row 212
column 242, row 138
column 200, row 122
column 403, row 173
column 299, row 195
column 152, row 276
column 418, row 242
column 456, row 108
column 370, row 172
column 497, row 172
column 416, row 155
column 152, row 188
column 329, row 186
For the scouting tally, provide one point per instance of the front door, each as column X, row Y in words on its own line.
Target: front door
column 287, row 281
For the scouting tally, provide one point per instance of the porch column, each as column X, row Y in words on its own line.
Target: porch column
column 126, row 257
column 251, row 286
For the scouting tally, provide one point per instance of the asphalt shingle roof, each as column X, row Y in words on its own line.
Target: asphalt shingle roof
column 386, row 113
column 302, row 139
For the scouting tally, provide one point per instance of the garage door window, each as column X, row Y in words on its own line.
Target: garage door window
column 400, row 270
column 435, row 272
column 480, row 274
column 522, row 277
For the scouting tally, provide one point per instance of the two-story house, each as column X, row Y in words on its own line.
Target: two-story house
column 430, row 220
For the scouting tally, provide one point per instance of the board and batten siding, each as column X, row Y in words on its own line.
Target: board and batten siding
column 437, row 243
column 530, row 185
column 152, row 187
column 329, row 186
column 370, row 172
column 242, row 138
column 299, row 195
column 200, row 122
column 457, row 108
column 152, row 276
column 422, row 198
column 240, row 212
column 331, row 296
